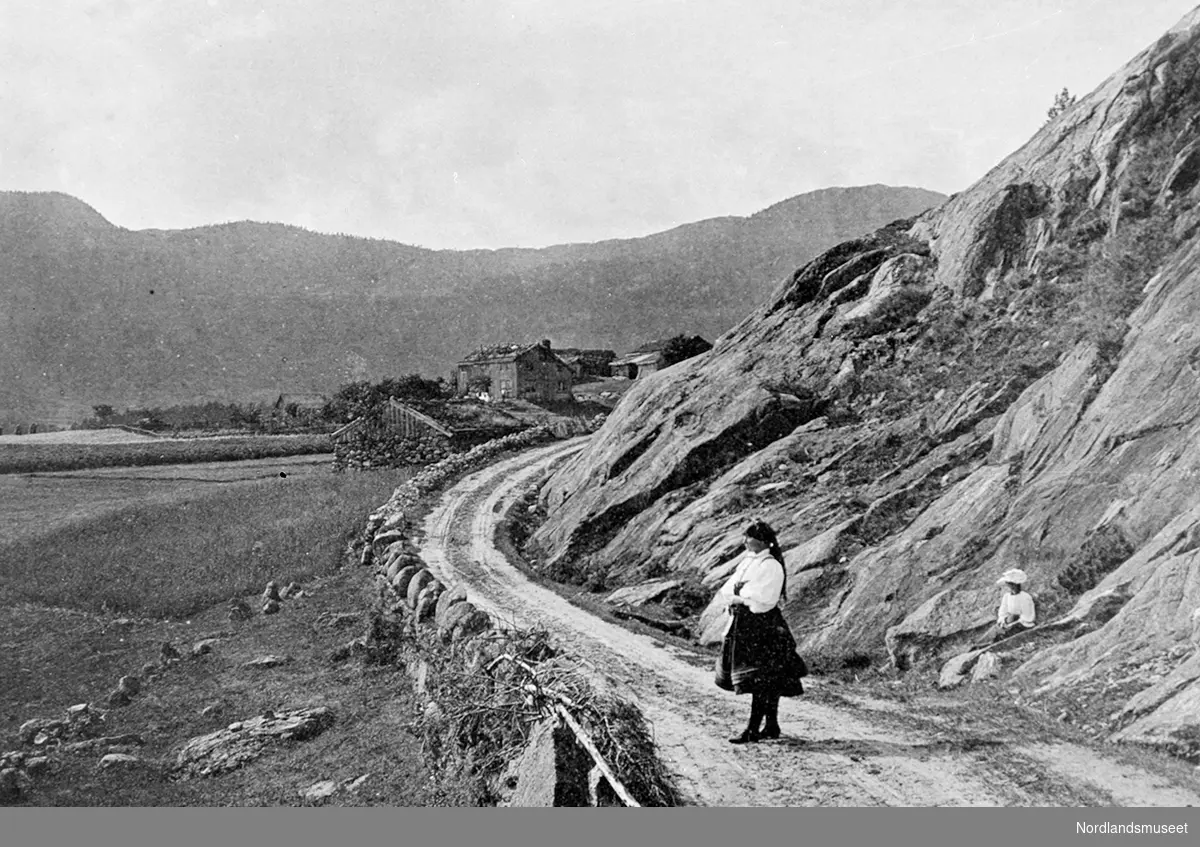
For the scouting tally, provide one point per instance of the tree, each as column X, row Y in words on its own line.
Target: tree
column 1062, row 101
column 103, row 411
column 683, row 347
column 357, row 399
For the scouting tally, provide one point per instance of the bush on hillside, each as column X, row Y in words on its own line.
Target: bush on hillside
column 898, row 310
column 683, row 347
column 358, row 399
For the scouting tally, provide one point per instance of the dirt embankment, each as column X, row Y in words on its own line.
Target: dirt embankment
column 839, row 747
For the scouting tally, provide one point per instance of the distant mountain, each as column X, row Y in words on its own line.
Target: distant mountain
column 93, row 313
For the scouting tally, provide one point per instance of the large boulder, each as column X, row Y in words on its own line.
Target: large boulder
column 940, row 624
column 244, row 741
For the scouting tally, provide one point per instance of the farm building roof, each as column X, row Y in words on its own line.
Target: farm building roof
column 498, row 352
column 304, row 401
column 638, row 359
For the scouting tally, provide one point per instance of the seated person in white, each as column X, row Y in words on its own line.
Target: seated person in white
column 1016, row 611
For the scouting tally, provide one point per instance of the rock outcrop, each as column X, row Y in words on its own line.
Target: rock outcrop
column 1011, row 379
column 244, row 741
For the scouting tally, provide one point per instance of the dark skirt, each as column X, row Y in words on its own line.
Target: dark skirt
column 759, row 655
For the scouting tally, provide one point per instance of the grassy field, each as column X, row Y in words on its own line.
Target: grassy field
column 169, row 547
column 165, row 547
column 43, row 456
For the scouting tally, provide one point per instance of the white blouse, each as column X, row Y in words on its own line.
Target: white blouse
column 1015, row 604
column 763, row 578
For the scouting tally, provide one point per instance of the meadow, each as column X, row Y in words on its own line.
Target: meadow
column 33, row 456
column 167, row 542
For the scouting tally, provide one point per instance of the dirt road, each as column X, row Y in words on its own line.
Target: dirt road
column 831, row 754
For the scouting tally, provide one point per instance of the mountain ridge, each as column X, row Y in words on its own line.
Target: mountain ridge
column 101, row 314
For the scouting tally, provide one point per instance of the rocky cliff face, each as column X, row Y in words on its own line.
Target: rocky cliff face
column 1011, row 379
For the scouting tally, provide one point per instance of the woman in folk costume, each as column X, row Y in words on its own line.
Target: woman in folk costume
column 759, row 655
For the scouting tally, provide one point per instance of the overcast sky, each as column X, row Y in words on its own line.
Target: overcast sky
column 491, row 123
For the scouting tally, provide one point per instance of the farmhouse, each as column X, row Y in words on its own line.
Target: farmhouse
column 586, row 365
column 644, row 360
column 652, row 356
column 530, row 372
column 293, row 405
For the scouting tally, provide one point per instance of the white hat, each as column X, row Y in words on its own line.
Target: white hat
column 1012, row 575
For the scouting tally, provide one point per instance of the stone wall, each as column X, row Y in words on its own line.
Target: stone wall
column 376, row 447
column 495, row 725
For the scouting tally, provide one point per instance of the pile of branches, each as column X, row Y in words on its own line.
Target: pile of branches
column 486, row 707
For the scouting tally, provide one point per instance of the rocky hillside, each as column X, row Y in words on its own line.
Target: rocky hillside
column 99, row 314
column 1010, row 379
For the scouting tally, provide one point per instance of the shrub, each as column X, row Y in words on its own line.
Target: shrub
column 898, row 310
column 1063, row 100
column 683, row 347
column 1101, row 553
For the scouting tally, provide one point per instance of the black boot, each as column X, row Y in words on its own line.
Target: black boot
column 771, row 713
column 750, row 733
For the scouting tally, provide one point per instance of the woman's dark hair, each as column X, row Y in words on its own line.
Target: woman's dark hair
column 761, row 531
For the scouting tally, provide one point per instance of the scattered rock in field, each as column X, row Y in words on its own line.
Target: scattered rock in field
column 12, row 783
column 338, row 620
column 118, row 698
column 954, row 672
column 263, row 662
column 290, row 591
column 131, row 684
column 203, row 648
column 270, row 607
column 32, row 727
column 319, row 790
column 168, row 652
column 81, row 721
column 150, row 669
column 357, row 647
column 228, row 749
column 129, row 739
column 239, row 610
column 271, row 592
column 355, row 784
column 119, row 761
column 37, row 765
column 986, row 667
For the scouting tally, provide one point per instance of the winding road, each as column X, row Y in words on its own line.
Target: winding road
column 829, row 755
